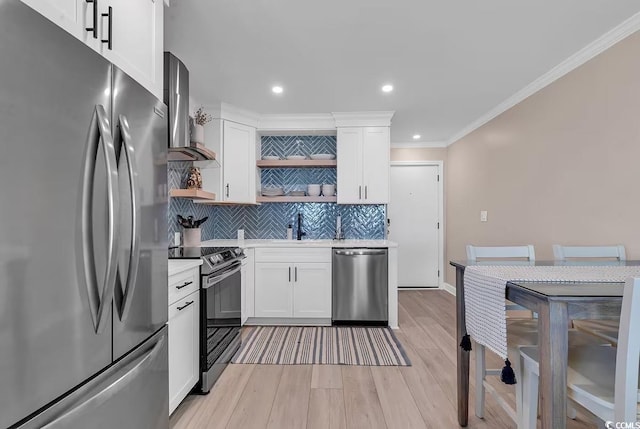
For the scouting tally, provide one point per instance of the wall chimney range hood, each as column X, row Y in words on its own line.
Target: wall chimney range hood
column 176, row 97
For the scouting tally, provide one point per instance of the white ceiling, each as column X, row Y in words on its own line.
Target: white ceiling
column 450, row 62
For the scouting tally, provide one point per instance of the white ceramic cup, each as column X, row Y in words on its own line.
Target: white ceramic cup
column 328, row 190
column 313, row 190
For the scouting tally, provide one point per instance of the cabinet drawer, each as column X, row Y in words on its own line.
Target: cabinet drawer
column 294, row 254
column 183, row 284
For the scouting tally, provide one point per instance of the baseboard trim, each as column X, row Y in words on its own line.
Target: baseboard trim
column 448, row 288
column 294, row 321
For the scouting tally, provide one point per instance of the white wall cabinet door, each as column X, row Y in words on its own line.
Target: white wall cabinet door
column 273, row 294
column 312, row 290
column 74, row 16
column 136, row 40
column 349, row 166
column 375, row 165
column 183, row 347
column 239, row 163
column 363, row 165
column 135, row 28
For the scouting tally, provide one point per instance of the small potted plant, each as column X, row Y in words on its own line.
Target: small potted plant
column 197, row 129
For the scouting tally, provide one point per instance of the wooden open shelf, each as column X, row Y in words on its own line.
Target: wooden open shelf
column 194, row 194
column 295, row 163
column 289, row 199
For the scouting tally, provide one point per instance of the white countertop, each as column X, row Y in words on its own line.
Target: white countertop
column 179, row 265
column 296, row 243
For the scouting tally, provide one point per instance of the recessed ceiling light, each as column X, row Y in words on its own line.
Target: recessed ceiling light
column 387, row 88
column 277, row 89
column 416, row 136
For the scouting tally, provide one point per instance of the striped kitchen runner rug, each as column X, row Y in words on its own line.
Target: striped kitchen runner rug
column 299, row 345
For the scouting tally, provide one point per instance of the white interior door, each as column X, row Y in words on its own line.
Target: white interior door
column 414, row 211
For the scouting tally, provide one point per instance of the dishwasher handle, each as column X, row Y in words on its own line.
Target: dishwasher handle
column 360, row 252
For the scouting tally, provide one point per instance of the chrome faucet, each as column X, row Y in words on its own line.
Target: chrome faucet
column 299, row 232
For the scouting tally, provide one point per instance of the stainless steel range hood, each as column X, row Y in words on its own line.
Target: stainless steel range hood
column 176, row 97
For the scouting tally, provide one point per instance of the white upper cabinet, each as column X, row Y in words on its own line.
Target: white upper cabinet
column 136, row 36
column 363, row 165
column 128, row 33
column 235, row 147
column 77, row 17
column 239, row 163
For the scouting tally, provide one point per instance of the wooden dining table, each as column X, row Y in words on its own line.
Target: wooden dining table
column 556, row 305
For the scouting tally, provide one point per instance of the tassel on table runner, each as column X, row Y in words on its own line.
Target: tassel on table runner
column 466, row 343
column 508, row 376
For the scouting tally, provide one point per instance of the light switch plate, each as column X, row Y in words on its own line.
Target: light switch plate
column 483, row 216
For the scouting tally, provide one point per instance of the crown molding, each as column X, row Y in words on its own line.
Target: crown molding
column 363, row 119
column 232, row 113
column 419, row 145
column 302, row 122
column 601, row 44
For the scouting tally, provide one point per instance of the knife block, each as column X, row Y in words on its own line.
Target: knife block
column 191, row 237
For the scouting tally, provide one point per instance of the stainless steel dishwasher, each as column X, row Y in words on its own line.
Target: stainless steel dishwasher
column 360, row 284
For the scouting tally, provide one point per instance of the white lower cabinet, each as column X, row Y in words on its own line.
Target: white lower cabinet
column 291, row 289
column 312, row 290
column 184, row 331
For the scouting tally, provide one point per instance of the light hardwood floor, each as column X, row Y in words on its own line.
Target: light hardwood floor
column 328, row 396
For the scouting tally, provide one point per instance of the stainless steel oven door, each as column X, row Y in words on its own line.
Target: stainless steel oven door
column 223, row 298
column 220, row 322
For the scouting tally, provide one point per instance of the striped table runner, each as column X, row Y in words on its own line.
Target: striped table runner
column 298, row 345
column 484, row 293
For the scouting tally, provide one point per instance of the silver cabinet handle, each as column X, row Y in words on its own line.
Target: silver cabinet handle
column 134, row 255
column 188, row 303
column 360, row 192
column 365, row 192
column 109, row 39
column 94, row 29
column 184, row 285
column 99, row 303
column 289, row 274
column 296, row 273
column 227, row 190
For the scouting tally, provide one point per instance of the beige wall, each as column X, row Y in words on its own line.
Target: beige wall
column 563, row 166
column 419, row 154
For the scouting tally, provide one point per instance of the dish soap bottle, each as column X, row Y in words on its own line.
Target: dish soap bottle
column 290, row 232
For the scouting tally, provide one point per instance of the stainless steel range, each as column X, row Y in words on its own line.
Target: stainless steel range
column 219, row 307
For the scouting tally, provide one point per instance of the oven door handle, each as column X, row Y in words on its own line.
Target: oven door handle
column 228, row 273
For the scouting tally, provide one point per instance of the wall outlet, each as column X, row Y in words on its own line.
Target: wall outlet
column 483, row 216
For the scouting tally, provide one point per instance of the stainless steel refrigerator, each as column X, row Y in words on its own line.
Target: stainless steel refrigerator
column 83, row 235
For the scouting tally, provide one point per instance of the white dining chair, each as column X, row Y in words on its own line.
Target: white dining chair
column 605, row 329
column 604, row 380
column 523, row 331
column 562, row 253
column 526, row 252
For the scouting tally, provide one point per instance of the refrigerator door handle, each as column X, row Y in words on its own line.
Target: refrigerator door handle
column 99, row 303
column 134, row 255
column 111, row 390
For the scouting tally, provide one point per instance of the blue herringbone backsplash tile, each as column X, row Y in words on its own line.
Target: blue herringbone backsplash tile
column 270, row 220
column 283, row 146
